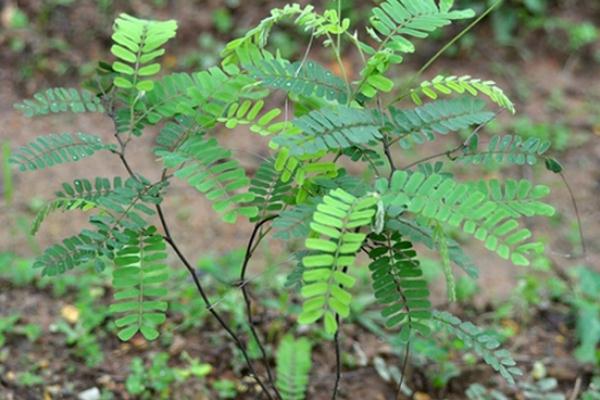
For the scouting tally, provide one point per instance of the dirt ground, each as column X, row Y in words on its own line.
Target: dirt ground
column 543, row 71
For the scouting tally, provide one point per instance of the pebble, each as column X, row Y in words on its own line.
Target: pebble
column 89, row 394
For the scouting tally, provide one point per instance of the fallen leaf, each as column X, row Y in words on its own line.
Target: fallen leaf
column 422, row 396
column 70, row 313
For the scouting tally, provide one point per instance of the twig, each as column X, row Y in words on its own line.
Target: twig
column 338, row 353
column 576, row 209
column 462, row 146
column 338, row 360
column 576, row 389
column 248, row 301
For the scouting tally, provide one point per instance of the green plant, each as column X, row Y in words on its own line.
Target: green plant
column 303, row 191
column 7, row 326
column 155, row 381
column 293, row 367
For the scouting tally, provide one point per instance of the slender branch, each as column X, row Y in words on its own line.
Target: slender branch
column 577, row 215
column 446, row 47
column 462, row 146
column 338, row 353
column 247, row 300
column 209, row 306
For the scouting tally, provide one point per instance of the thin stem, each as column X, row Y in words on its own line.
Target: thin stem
column 247, row 300
column 576, row 209
column 209, row 306
column 462, row 146
column 338, row 353
column 338, row 360
column 446, row 47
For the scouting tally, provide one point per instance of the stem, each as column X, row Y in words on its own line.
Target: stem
column 209, row 306
column 338, row 361
column 462, row 146
column 247, row 300
column 446, row 47
column 576, row 209
column 338, row 354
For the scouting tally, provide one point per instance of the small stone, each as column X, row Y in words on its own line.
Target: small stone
column 89, row 394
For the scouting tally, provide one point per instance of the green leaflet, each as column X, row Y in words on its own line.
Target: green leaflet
column 124, row 211
column 137, row 43
column 326, row 281
column 247, row 113
column 80, row 195
column 57, row 100
column 416, row 126
column 423, row 234
column 395, row 22
column 304, row 79
column 294, row 223
column 175, row 133
column 441, row 241
column 209, row 168
column 507, row 149
column 259, row 35
column 462, row 85
column 485, row 345
column 451, row 203
column 293, row 367
column 519, row 198
column 204, row 96
column 398, row 284
column 331, row 129
column 54, row 149
column 139, row 278
column 269, row 191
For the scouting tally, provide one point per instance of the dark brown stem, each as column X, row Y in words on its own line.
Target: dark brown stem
column 248, row 301
column 209, row 306
column 462, row 146
column 338, row 360
column 338, row 353
column 388, row 154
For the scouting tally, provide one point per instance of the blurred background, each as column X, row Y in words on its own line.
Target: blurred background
column 56, row 340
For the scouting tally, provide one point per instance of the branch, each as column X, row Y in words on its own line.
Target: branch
column 209, row 306
column 247, row 300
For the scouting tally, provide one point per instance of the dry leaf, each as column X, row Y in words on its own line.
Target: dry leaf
column 70, row 313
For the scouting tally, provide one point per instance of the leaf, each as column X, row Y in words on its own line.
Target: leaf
column 330, row 129
column 56, row 100
column 209, row 169
column 325, row 283
column 54, row 149
column 139, row 278
column 416, row 126
column 301, row 78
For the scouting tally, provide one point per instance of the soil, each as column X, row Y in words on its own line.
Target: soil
column 541, row 72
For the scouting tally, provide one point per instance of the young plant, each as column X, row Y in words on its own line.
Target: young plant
column 303, row 191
